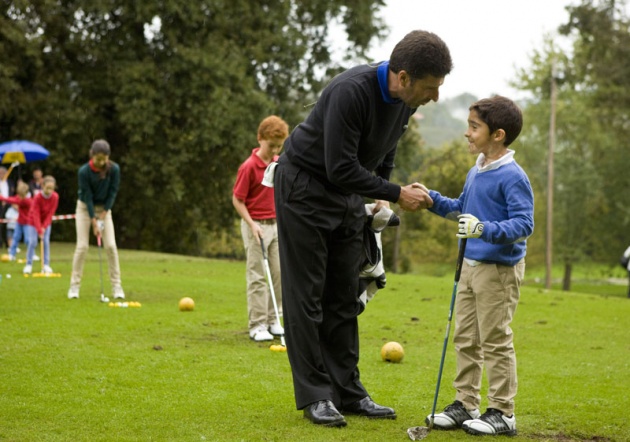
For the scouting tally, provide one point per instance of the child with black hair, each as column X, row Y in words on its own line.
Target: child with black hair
column 496, row 212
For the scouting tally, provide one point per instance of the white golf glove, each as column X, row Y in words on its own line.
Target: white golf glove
column 469, row 226
column 270, row 172
column 101, row 224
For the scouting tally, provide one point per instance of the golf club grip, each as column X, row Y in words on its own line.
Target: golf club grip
column 262, row 246
column 98, row 239
column 460, row 258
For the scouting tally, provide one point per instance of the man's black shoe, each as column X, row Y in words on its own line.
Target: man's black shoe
column 324, row 413
column 368, row 408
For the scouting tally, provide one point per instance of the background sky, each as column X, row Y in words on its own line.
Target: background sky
column 488, row 39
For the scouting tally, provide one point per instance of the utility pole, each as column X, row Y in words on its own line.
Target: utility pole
column 552, row 144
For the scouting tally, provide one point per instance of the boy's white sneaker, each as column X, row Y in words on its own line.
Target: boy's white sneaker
column 48, row 269
column 492, row 422
column 11, row 257
column 260, row 333
column 28, row 268
column 452, row 417
column 73, row 293
column 276, row 329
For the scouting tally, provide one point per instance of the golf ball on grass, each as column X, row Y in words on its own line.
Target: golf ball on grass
column 130, row 304
column 392, row 352
column 186, row 304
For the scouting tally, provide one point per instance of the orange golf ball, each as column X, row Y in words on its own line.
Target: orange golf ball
column 186, row 304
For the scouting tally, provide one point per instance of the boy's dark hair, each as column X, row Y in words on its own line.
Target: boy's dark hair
column 500, row 113
column 421, row 53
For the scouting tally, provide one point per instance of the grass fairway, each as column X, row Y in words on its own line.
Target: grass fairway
column 83, row 371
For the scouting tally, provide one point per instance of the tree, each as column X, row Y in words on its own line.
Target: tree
column 177, row 88
column 591, row 201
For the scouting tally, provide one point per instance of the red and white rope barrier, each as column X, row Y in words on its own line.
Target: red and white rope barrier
column 54, row 218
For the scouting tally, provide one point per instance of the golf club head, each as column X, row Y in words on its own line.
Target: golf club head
column 417, row 433
column 104, row 298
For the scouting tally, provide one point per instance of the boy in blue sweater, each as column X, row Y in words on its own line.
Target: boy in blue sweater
column 496, row 212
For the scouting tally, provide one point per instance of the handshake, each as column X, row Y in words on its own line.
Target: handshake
column 414, row 197
column 469, row 226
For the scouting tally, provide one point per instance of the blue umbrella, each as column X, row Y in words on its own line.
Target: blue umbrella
column 22, row 151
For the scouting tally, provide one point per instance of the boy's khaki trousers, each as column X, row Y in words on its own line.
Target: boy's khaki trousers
column 259, row 303
column 487, row 295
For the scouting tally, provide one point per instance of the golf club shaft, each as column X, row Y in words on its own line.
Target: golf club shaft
column 458, row 271
column 100, row 261
column 271, row 289
column 41, row 253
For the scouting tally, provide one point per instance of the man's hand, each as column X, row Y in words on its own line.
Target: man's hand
column 378, row 205
column 469, row 226
column 414, row 197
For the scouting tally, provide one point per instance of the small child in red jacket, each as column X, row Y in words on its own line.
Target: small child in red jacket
column 42, row 210
column 23, row 202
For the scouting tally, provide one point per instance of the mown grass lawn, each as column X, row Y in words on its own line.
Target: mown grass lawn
column 83, row 371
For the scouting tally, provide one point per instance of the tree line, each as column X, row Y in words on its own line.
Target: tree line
column 179, row 88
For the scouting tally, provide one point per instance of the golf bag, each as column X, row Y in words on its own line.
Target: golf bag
column 372, row 274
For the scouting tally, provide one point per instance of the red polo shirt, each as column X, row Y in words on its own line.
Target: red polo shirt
column 248, row 188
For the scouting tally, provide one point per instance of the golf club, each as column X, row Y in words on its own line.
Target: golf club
column 41, row 253
column 100, row 263
column 273, row 293
column 419, row 433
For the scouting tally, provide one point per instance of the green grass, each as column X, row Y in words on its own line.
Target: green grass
column 83, row 371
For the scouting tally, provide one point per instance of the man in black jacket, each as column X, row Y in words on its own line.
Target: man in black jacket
column 344, row 151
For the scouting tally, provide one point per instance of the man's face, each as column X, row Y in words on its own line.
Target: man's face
column 418, row 92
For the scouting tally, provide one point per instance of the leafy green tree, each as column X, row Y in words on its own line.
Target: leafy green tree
column 177, row 88
column 591, row 201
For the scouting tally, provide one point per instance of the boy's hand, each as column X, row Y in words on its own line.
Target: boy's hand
column 469, row 226
column 414, row 197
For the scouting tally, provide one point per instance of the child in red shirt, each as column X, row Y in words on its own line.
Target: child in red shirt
column 42, row 210
column 254, row 203
column 24, row 206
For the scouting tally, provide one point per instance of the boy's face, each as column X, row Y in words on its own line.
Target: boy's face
column 272, row 146
column 480, row 140
column 100, row 160
column 48, row 188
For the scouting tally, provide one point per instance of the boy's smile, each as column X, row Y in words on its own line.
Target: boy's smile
column 480, row 140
